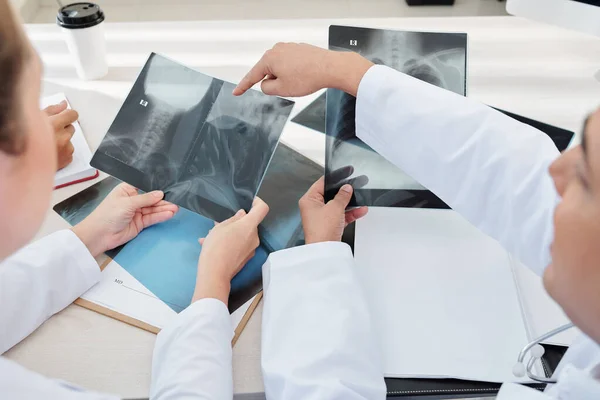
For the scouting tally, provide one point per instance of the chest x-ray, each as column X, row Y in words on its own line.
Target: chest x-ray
column 436, row 58
column 184, row 133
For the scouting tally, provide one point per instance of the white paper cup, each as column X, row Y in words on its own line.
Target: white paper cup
column 83, row 28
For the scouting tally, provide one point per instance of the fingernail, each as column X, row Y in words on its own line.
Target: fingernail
column 240, row 212
column 158, row 194
column 347, row 188
column 63, row 103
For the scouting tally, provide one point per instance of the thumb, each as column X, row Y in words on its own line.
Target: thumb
column 342, row 198
column 147, row 199
column 258, row 212
column 236, row 217
column 271, row 86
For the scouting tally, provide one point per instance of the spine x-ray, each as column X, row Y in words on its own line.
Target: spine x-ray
column 436, row 58
column 184, row 133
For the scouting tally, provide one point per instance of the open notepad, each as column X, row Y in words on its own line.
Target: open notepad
column 446, row 300
column 79, row 170
column 121, row 296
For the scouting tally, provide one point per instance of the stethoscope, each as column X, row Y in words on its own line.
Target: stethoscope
column 537, row 351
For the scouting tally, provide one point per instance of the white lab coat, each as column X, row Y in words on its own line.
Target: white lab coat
column 192, row 357
column 317, row 337
column 318, row 341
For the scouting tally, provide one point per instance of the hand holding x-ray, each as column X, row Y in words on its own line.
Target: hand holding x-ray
column 343, row 176
column 325, row 222
column 225, row 251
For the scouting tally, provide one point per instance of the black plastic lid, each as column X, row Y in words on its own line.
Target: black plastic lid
column 79, row 16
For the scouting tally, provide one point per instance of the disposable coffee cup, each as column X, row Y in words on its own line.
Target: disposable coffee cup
column 83, row 28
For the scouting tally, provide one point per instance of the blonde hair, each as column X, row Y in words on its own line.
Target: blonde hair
column 14, row 52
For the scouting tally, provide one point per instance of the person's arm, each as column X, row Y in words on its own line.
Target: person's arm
column 46, row 276
column 192, row 356
column 318, row 341
column 39, row 281
column 488, row 167
column 317, row 338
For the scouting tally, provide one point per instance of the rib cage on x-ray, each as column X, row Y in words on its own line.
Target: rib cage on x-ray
column 437, row 58
column 184, row 133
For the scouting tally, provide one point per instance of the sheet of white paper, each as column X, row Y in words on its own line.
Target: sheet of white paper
column 80, row 167
column 121, row 292
column 442, row 295
column 541, row 313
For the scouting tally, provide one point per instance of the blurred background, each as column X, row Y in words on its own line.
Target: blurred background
column 44, row 11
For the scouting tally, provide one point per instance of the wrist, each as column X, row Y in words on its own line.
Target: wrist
column 211, row 285
column 311, row 240
column 348, row 69
column 89, row 237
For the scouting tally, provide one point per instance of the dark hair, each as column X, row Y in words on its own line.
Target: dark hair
column 13, row 55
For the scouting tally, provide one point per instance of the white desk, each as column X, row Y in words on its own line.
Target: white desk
column 538, row 71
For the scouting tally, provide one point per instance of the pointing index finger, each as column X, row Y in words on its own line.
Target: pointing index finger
column 255, row 75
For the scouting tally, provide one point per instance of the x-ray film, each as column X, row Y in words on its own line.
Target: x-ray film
column 164, row 257
column 313, row 116
column 289, row 176
column 184, row 133
column 437, row 58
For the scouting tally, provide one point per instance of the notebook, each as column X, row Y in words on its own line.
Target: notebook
column 447, row 301
column 79, row 170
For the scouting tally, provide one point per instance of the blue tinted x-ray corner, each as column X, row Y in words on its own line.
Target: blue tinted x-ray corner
column 164, row 258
